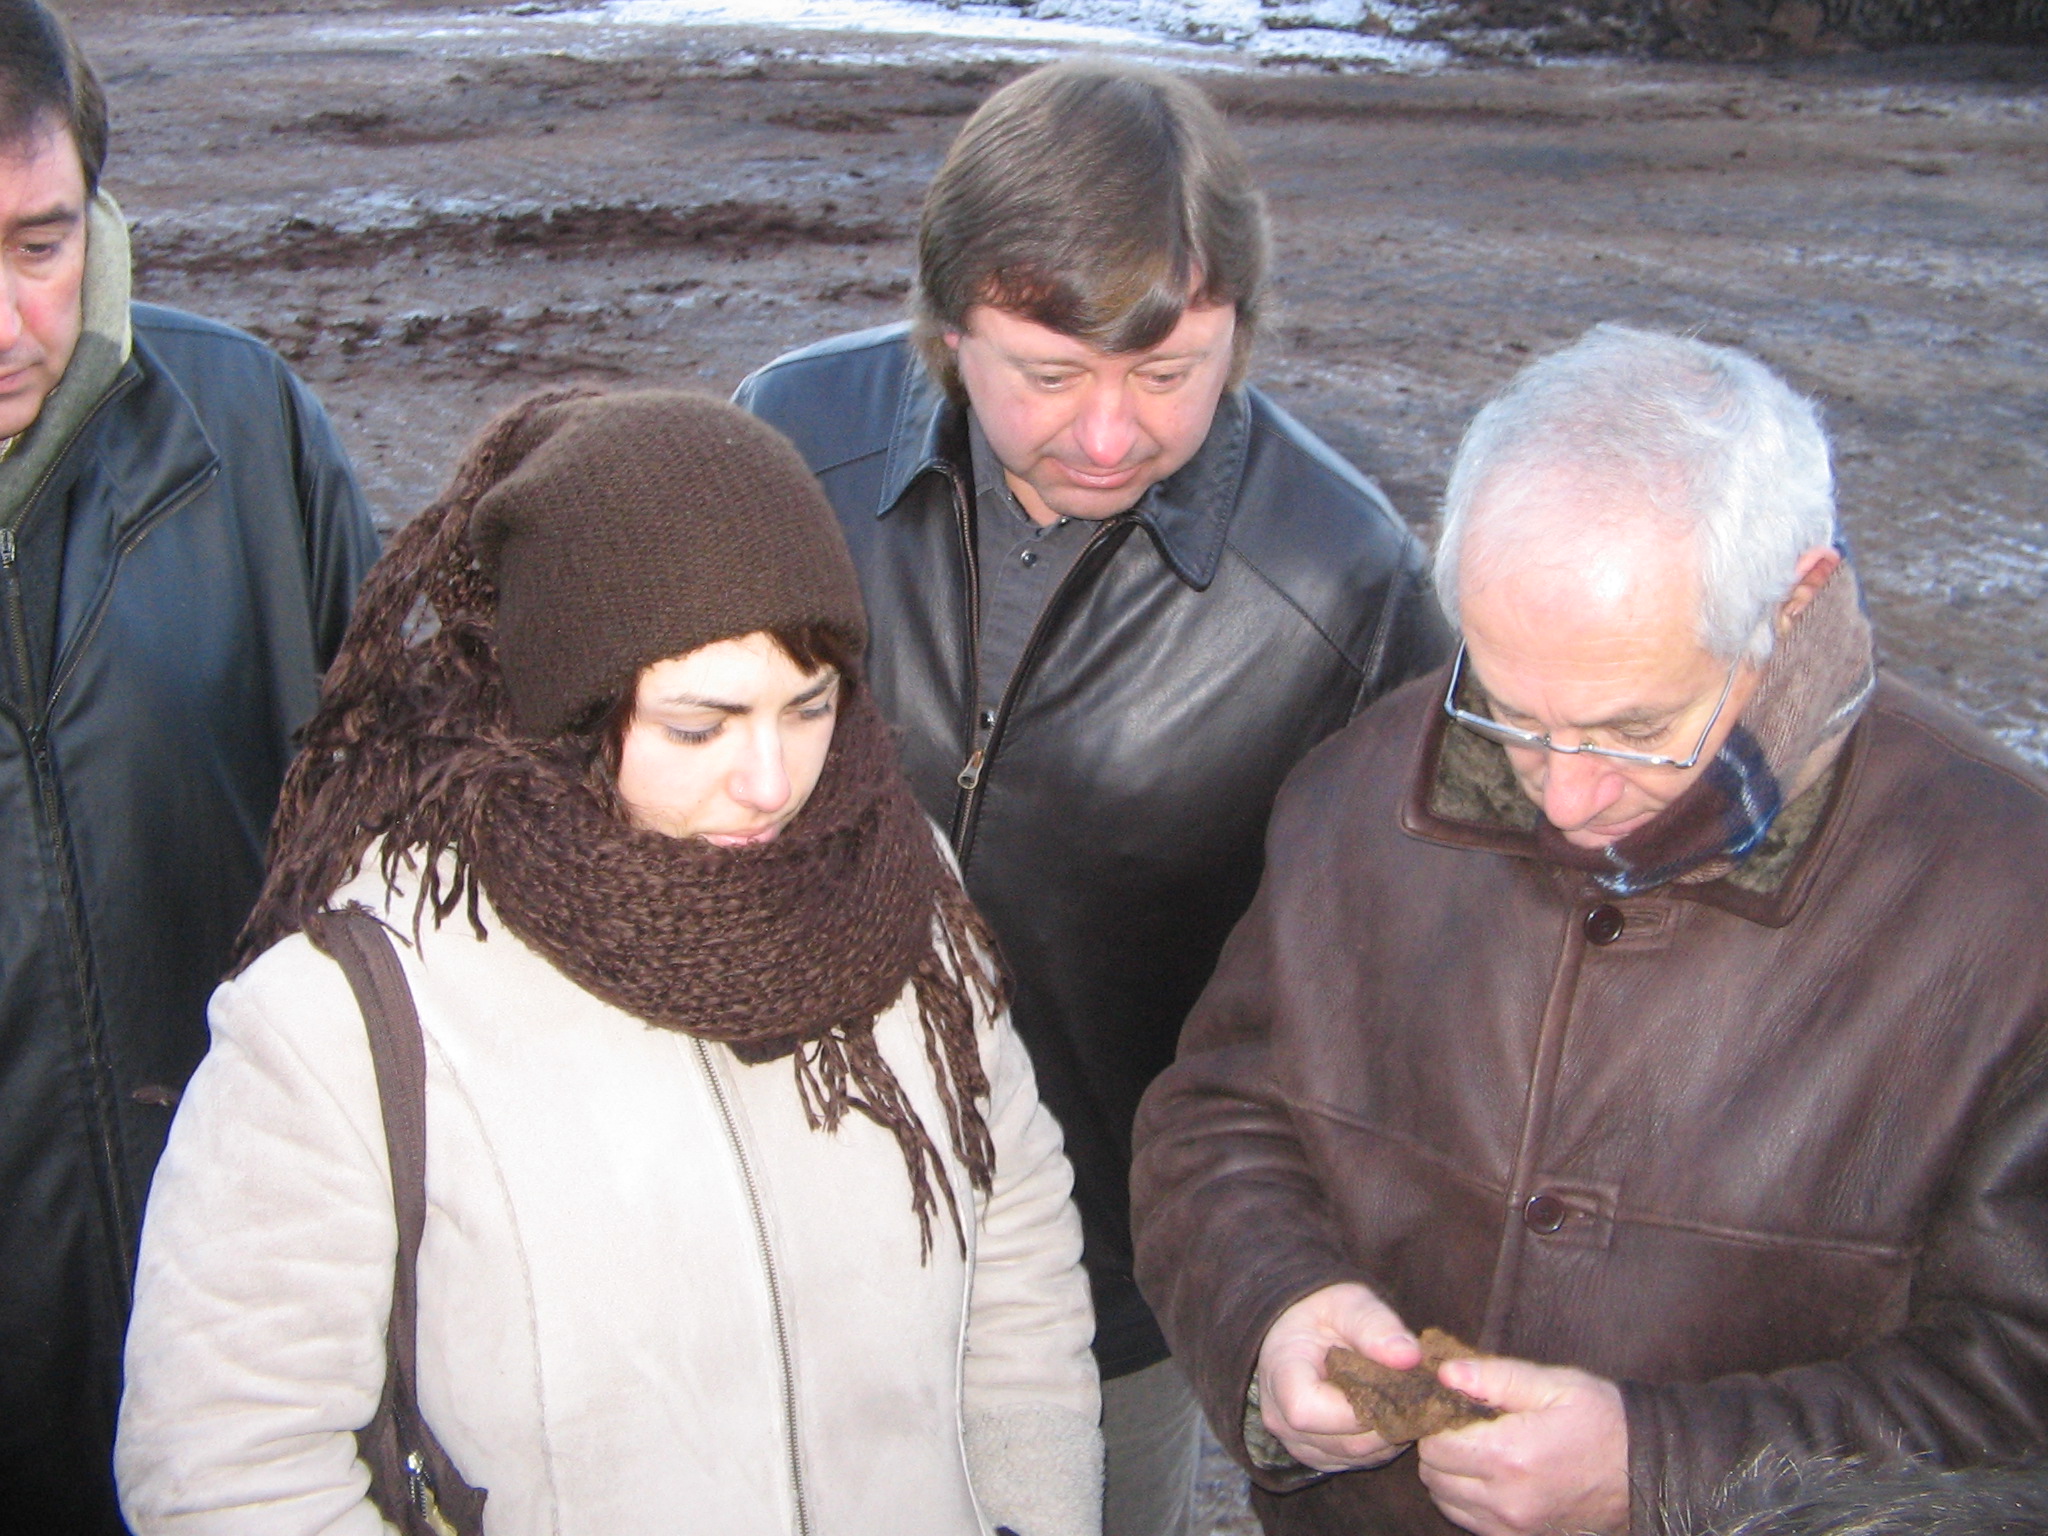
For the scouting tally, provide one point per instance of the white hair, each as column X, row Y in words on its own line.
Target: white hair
column 1651, row 411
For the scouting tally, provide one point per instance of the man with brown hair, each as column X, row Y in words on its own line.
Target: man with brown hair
column 180, row 537
column 1114, row 596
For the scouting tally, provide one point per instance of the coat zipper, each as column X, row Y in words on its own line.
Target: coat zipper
column 759, row 1214
column 17, row 620
column 972, row 777
column 44, row 769
column 45, row 775
column 970, row 773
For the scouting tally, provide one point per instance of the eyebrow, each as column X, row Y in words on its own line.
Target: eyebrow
column 63, row 213
column 1187, row 355
column 1626, row 717
column 720, row 706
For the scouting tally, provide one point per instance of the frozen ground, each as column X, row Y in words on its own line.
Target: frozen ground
column 432, row 207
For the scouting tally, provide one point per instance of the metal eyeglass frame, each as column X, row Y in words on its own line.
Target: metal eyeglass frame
column 1509, row 736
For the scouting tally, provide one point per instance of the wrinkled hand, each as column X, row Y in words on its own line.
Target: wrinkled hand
column 1555, row 1461
column 1302, row 1410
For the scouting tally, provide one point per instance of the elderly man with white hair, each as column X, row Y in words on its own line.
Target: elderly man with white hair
column 1654, row 999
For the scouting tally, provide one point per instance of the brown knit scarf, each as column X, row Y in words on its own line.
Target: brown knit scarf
column 791, row 947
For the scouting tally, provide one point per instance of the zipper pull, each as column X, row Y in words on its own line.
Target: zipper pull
column 420, row 1488
column 970, row 775
column 7, row 548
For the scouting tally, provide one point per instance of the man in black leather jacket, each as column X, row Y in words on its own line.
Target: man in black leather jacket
column 1114, row 597
column 180, row 538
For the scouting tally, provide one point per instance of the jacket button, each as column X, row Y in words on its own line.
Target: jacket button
column 1604, row 924
column 1029, row 557
column 988, row 719
column 1546, row 1213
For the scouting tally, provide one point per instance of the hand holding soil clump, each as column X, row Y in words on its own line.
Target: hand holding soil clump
column 1401, row 1406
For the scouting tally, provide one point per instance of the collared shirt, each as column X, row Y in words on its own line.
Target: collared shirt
column 1022, row 564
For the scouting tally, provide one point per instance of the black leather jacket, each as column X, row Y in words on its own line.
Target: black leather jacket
column 210, row 538
column 1111, row 830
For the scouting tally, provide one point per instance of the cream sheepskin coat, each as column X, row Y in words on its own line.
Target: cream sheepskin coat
column 652, row 1298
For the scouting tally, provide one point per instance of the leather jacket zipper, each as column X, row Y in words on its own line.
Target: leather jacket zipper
column 760, row 1217
column 43, row 773
column 973, row 776
column 17, row 619
column 970, row 772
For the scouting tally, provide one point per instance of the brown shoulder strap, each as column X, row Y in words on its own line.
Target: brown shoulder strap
column 412, row 1480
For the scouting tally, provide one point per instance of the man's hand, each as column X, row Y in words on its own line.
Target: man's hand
column 1302, row 1410
column 1555, row 1461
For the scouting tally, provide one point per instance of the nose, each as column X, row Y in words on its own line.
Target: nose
column 1107, row 427
column 758, row 780
column 1576, row 788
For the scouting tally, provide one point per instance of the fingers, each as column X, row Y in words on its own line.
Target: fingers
column 1371, row 1327
column 1513, row 1386
column 1293, row 1383
column 1557, row 1459
column 1325, row 1435
column 1464, row 1502
column 1341, row 1453
column 1295, row 1389
column 1477, row 1451
column 1297, row 1402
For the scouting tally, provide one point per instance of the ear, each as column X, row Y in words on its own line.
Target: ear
column 952, row 339
column 1813, row 572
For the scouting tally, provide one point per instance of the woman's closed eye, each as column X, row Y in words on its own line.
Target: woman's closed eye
column 692, row 735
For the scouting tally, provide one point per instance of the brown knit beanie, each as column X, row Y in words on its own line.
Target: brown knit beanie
column 634, row 527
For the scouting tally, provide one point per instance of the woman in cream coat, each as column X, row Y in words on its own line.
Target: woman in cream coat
column 743, row 1214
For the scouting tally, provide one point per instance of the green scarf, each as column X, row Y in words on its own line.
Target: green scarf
column 97, row 360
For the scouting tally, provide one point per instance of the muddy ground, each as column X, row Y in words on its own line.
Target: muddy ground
column 432, row 211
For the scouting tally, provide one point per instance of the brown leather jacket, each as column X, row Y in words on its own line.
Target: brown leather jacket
column 1774, row 1156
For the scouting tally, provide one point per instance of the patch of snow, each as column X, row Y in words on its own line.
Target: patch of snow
column 990, row 22
column 1243, row 32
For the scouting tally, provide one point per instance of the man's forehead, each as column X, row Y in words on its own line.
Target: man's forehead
column 1596, row 634
column 1198, row 332
column 42, row 176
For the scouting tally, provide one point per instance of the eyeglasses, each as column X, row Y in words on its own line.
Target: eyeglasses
column 1508, row 736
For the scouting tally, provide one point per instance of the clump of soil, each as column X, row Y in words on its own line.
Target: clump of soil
column 1405, row 1406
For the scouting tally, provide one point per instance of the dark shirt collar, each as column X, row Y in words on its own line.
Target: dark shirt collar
column 1188, row 514
column 991, row 486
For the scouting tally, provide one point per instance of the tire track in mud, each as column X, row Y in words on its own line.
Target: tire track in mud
column 298, row 243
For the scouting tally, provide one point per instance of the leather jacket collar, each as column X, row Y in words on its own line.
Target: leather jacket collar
column 1188, row 514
